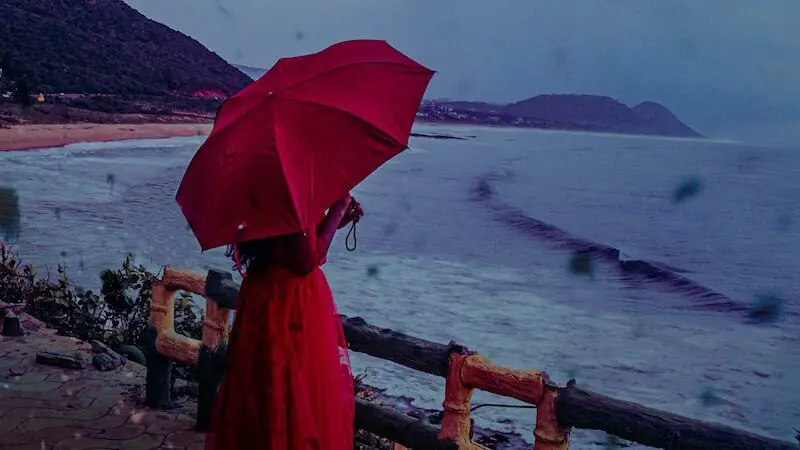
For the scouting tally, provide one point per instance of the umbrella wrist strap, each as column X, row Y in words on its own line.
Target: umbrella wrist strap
column 233, row 251
column 351, row 232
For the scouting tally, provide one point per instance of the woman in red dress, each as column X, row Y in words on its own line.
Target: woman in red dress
column 287, row 384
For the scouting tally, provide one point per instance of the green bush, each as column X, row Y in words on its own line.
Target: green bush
column 117, row 315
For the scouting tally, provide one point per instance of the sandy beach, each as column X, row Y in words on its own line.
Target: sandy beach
column 26, row 137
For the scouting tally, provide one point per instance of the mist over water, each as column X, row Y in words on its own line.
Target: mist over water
column 438, row 261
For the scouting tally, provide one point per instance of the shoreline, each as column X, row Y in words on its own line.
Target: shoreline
column 40, row 136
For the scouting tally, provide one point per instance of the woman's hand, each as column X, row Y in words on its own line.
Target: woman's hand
column 329, row 225
column 342, row 204
column 353, row 213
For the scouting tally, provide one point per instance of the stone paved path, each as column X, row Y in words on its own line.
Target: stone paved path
column 45, row 407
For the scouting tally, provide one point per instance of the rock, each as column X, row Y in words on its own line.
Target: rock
column 133, row 353
column 105, row 361
column 10, row 307
column 104, row 358
column 12, row 326
column 28, row 323
column 100, row 348
column 61, row 360
column 31, row 324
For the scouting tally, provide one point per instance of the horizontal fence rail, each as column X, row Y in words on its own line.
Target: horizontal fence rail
column 559, row 408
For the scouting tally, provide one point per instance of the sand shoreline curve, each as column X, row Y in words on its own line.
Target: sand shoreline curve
column 38, row 136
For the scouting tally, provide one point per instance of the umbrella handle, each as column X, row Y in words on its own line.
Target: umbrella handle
column 347, row 238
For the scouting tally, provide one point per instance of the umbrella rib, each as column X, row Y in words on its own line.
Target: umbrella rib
column 292, row 193
column 348, row 65
column 348, row 113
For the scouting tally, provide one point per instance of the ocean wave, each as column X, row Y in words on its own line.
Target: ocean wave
column 637, row 272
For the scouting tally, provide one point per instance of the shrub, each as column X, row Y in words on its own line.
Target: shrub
column 117, row 315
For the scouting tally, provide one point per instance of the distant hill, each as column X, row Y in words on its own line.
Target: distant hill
column 573, row 112
column 252, row 72
column 107, row 47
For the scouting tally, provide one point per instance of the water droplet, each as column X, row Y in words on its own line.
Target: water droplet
column 581, row 263
column 638, row 329
column 708, row 398
column 9, row 213
column 689, row 188
column 390, row 229
column 765, row 308
column 372, row 271
column 224, row 10
column 110, row 179
column 785, row 223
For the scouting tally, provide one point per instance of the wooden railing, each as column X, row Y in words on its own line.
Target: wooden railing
column 559, row 408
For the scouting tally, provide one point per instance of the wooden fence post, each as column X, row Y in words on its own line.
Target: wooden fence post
column 159, row 367
column 211, row 363
column 530, row 386
column 456, row 421
column 163, row 345
column 548, row 434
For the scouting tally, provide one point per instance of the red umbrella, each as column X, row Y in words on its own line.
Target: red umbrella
column 286, row 147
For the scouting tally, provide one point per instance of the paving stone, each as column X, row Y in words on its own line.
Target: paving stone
column 87, row 413
column 183, row 438
column 196, row 446
column 107, row 422
column 45, row 386
column 41, row 423
column 23, row 437
column 120, row 433
column 149, row 417
column 143, row 442
column 25, row 378
column 42, row 445
column 168, row 427
column 119, row 404
column 100, row 391
column 55, row 434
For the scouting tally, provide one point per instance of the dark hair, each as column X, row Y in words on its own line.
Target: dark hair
column 252, row 255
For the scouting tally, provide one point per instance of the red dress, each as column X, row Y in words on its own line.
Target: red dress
column 288, row 384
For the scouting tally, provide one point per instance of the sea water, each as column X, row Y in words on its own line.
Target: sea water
column 449, row 250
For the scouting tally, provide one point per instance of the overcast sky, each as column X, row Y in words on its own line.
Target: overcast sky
column 721, row 65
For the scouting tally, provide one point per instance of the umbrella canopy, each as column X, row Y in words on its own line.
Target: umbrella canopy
column 286, row 147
